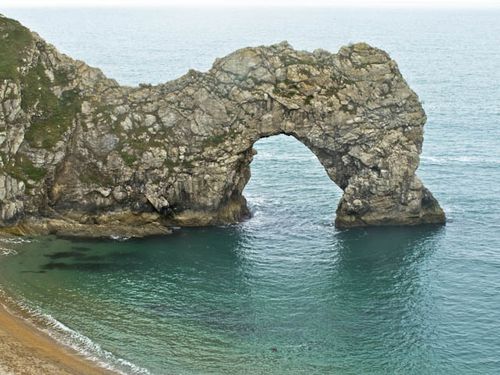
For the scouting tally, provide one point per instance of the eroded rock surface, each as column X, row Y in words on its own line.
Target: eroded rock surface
column 79, row 150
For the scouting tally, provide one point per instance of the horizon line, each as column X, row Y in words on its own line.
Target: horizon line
column 275, row 6
column 356, row 4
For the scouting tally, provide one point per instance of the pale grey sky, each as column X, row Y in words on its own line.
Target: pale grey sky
column 341, row 3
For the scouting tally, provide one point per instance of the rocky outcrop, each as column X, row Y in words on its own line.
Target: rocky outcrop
column 81, row 151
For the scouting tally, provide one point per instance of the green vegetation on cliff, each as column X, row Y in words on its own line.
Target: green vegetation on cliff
column 23, row 169
column 24, row 64
column 51, row 115
column 14, row 40
column 54, row 116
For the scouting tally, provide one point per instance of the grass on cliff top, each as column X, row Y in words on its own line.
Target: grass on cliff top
column 14, row 39
column 53, row 116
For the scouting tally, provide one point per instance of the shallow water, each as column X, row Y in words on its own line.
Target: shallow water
column 285, row 292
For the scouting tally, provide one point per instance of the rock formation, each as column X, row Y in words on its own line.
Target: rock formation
column 81, row 154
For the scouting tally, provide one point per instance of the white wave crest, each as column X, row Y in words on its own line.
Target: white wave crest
column 15, row 240
column 119, row 238
column 7, row 243
column 4, row 251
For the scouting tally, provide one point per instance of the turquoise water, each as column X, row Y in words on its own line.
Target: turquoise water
column 285, row 292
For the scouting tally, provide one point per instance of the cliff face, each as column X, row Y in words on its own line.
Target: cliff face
column 81, row 154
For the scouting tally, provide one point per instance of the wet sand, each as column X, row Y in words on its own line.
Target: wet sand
column 25, row 350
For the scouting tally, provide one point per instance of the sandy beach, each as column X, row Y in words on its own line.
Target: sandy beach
column 25, row 350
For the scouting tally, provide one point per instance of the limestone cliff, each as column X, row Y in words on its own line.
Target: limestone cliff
column 81, row 154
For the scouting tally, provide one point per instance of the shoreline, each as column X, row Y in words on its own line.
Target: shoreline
column 28, row 350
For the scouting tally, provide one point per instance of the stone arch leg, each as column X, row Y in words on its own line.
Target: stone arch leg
column 379, row 188
column 410, row 204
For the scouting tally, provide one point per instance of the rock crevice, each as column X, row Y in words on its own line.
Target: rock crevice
column 79, row 148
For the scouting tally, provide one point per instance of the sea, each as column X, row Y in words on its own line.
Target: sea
column 285, row 292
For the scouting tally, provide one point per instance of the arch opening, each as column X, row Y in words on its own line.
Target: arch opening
column 288, row 182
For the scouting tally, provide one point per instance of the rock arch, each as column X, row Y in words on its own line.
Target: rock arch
column 102, row 154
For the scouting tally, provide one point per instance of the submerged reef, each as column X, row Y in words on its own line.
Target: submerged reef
column 82, row 155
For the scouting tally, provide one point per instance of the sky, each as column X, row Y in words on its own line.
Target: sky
column 450, row 4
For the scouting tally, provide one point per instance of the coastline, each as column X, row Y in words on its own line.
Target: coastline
column 27, row 350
